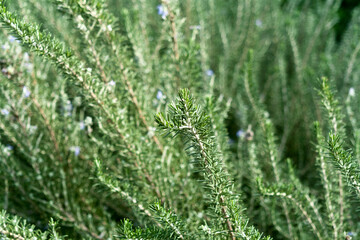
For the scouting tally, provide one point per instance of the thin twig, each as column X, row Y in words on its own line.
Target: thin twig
column 301, row 208
column 131, row 91
column 174, row 40
column 48, row 126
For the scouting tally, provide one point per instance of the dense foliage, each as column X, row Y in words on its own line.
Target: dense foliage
column 149, row 119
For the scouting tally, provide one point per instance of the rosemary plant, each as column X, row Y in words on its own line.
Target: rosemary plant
column 168, row 119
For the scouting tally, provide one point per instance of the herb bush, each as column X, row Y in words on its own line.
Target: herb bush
column 175, row 119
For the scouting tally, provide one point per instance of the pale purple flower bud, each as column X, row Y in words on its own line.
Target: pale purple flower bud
column 76, row 150
column 162, row 11
column 68, row 108
column 29, row 67
column 210, row 72
column 6, row 46
column 12, row 38
column 26, row 92
column 82, row 125
column 159, row 95
column 240, row 133
column 112, row 83
column 258, row 23
column 8, row 150
column 5, row 112
column 352, row 92
column 197, row 27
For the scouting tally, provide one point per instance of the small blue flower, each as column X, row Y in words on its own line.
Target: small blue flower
column 12, row 38
column 82, row 125
column 6, row 46
column 159, row 95
column 112, row 83
column 76, row 150
column 197, row 27
column 8, row 150
column 29, row 67
column 350, row 234
column 258, row 23
column 352, row 92
column 162, row 11
column 210, row 72
column 4, row 112
column 240, row 133
column 26, row 92
column 68, row 108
